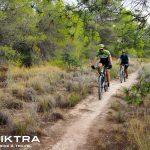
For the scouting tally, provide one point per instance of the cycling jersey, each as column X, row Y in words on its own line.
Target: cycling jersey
column 104, row 57
column 124, row 59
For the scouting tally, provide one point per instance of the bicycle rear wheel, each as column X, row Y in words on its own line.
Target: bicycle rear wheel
column 100, row 87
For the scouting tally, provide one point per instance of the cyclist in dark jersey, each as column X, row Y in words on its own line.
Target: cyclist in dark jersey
column 104, row 58
column 124, row 58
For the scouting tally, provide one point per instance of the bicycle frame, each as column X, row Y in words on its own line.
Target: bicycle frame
column 122, row 73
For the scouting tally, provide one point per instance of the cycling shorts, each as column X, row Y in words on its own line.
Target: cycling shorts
column 105, row 62
column 126, row 65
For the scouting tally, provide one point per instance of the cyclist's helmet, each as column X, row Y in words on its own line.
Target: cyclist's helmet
column 123, row 51
column 101, row 46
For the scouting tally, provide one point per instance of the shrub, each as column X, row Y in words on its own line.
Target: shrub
column 70, row 61
column 115, row 106
column 3, row 118
column 138, row 133
column 17, row 91
column 19, row 128
column 29, row 94
column 27, row 125
column 25, row 51
column 53, row 116
column 136, row 94
column 120, row 116
column 14, row 104
column 61, row 101
column 45, row 104
column 74, row 98
column 73, row 86
column 37, row 85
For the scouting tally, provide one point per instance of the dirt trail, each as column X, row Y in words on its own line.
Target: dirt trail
column 75, row 131
column 86, row 111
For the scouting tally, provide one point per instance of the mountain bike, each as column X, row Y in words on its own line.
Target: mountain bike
column 122, row 73
column 102, row 83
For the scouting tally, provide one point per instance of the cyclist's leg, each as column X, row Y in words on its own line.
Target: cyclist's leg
column 108, row 76
column 99, row 67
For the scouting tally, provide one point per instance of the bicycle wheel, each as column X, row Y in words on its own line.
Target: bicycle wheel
column 100, row 87
column 121, row 76
column 124, row 76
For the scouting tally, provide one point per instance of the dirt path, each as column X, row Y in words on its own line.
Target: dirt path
column 72, row 133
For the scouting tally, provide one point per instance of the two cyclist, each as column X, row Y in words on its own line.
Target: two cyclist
column 124, row 61
column 103, row 57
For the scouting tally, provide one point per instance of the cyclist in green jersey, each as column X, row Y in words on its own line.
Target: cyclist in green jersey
column 104, row 58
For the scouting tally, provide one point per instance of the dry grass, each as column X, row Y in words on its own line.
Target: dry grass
column 139, row 131
column 61, row 100
column 74, row 98
column 17, row 90
column 4, row 118
column 27, row 124
column 46, row 103
column 53, row 116
column 14, row 104
column 43, row 89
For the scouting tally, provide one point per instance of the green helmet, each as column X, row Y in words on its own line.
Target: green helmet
column 101, row 46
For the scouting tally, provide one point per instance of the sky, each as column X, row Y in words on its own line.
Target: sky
column 133, row 5
column 127, row 3
column 70, row 1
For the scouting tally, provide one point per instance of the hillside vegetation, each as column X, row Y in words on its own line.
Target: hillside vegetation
column 36, row 96
column 32, row 31
column 31, row 98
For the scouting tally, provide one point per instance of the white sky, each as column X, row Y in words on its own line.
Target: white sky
column 133, row 6
column 70, row 1
column 127, row 3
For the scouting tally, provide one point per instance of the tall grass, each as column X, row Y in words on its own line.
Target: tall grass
column 138, row 133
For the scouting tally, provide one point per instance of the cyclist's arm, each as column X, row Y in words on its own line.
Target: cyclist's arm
column 95, row 60
column 129, row 60
column 119, row 59
column 110, row 59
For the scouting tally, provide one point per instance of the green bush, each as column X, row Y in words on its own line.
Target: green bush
column 136, row 94
column 8, row 54
column 70, row 61
column 74, row 98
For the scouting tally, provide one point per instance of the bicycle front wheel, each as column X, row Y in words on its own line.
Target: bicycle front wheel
column 100, row 87
column 121, row 76
column 124, row 76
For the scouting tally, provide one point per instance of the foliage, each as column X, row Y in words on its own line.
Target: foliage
column 74, row 98
column 36, row 31
column 8, row 54
column 138, row 92
column 69, row 60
